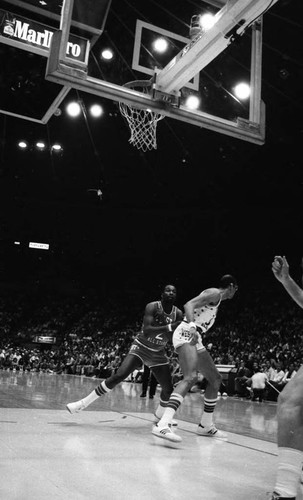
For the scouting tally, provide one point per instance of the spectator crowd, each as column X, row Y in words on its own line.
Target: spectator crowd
column 261, row 338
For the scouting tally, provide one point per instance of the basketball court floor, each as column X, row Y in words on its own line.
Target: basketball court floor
column 107, row 452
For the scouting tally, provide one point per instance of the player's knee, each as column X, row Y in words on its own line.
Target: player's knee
column 166, row 390
column 288, row 413
column 165, row 394
column 118, row 377
column 289, row 400
column 169, row 388
column 215, row 380
column 190, row 379
column 217, row 377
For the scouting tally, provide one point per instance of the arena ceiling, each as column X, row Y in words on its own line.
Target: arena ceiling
column 193, row 170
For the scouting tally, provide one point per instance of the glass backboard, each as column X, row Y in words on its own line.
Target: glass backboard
column 196, row 62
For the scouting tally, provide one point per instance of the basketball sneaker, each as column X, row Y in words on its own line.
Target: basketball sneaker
column 166, row 433
column 75, row 407
column 276, row 496
column 173, row 423
column 211, row 431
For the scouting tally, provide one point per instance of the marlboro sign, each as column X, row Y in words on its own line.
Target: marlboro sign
column 22, row 32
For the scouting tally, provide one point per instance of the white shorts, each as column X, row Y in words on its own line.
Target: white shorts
column 181, row 336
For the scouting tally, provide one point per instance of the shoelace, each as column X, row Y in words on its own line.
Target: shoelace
column 166, row 430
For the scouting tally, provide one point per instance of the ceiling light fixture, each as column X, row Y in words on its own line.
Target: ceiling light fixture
column 207, row 21
column 96, row 110
column 73, row 109
column 107, row 54
column 160, row 45
column 242, row 91
column 192, row 102
column 57, row 148
column 22, row 144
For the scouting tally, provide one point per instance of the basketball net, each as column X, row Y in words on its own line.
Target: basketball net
column 142, row 122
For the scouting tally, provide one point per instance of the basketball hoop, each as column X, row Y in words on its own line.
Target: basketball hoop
column 142, row 122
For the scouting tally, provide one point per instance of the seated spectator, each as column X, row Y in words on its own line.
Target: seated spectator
column 258, row 384
column 2, row 358
column 276, row 385
column 289, row 374
column 70, row 365
column 243, row 374
column 269, row 368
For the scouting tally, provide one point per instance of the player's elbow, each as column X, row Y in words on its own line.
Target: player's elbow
column 188, row 306
column 145, row 331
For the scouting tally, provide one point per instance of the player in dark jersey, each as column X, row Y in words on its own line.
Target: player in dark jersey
column 159, row 322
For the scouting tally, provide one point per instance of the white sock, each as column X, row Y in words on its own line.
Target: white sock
column 167, row 417
column 288, row 472
column 161, row 408
column 173, row 404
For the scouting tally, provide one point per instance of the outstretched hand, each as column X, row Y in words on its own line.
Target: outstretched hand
column 280, row 268
column 194, row 335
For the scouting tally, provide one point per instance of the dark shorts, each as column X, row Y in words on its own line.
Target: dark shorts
column 148, row 357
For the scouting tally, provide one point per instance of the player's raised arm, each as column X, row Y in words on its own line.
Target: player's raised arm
column 280, row 269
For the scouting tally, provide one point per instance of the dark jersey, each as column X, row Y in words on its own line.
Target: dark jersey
column 159, row 341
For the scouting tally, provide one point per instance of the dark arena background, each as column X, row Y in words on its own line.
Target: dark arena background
column 92, row 231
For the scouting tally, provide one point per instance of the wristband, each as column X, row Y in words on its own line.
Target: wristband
column 169, row 327
column 192, row 324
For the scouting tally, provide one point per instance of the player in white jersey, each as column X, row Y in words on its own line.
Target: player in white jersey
column 200, row 315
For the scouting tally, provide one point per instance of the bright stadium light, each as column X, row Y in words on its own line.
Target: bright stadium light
column 57, row 148
column 40, row 145
column 96, row 110
column 192, row 102
column 160, row 45
column 73, row 109
column 107, row 54
column 242, row 91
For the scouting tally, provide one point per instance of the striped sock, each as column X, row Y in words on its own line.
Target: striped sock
column 207, row 416
column 101, row 389
column 173, row 404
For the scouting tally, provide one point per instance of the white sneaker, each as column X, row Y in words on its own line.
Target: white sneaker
column 166, row 433
column 75, row 407
column 173, row 423
column 211, row 431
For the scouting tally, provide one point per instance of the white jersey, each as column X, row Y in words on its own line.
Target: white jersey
column 205, row 316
